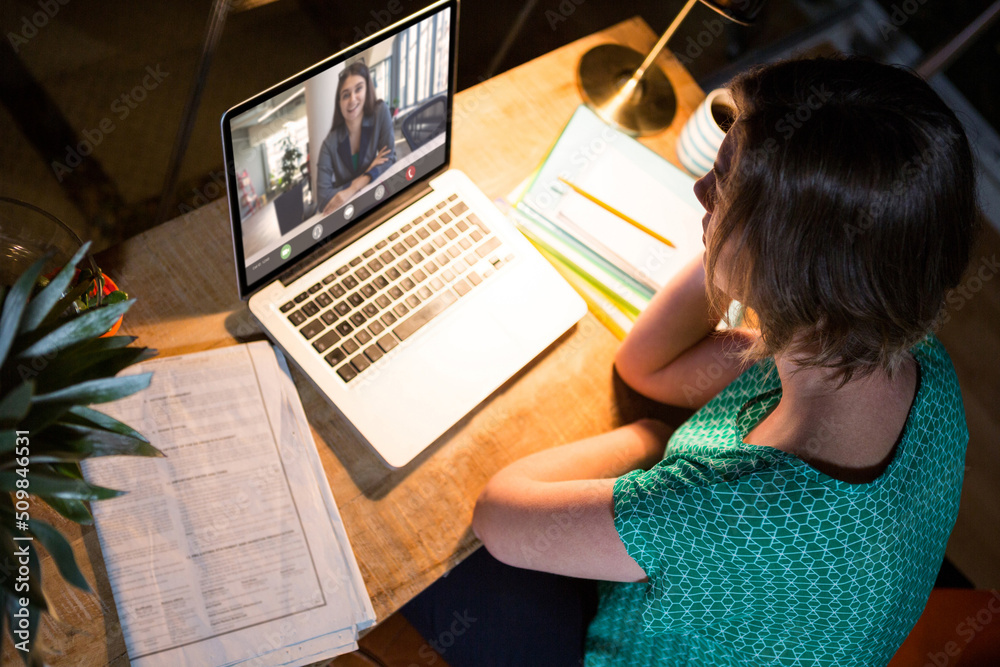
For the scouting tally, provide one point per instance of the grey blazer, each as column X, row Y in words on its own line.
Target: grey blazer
column 334, row 168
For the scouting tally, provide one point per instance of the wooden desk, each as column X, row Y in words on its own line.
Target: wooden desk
column 410, row 526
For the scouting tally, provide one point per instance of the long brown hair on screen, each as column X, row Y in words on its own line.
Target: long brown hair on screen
column 850, row 205
column 357, row 68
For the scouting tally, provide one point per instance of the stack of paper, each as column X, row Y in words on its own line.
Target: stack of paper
column 231, row 549
column 612, row 263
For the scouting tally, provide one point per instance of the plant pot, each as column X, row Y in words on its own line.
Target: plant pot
column 109, row 287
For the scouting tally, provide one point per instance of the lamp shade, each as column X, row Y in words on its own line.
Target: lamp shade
column 743, row 12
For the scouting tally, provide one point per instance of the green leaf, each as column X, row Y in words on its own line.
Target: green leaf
column 115, row 297
column 42, row 415
column 15, row 405
column 13, row 305
column 88, row 361
column 61, row 552
column 114, row 342
column 43, row 450
column 8, row 554
column 79, row 414
column 95, row 442
column 86, row 346
column 91, row 324
column 52, row 540
column 69, row 470
column 97, row 391
column 60, row 487
column 40, row 306
column 67, row 312
column 65, row 302
column 7, row 440
column 10, row 604
column 52, row 456
column 74, row 510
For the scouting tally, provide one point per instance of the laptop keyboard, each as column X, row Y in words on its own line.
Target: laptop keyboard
column 387, row 293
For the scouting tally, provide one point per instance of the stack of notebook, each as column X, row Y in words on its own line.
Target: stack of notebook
column 614, row 218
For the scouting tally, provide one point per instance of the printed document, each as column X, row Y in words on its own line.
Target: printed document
column 231, row 549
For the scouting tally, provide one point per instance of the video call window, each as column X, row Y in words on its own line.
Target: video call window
column 313, row 158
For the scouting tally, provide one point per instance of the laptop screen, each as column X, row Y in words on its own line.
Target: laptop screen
column 316, row 154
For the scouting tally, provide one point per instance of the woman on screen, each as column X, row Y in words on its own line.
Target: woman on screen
column 801, row 514
column 361, row 144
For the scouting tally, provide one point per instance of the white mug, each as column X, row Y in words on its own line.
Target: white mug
column 703, row 133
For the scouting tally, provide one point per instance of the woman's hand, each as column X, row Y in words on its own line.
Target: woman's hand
column 361, row 181
column 347, row 193
column 338, row 200
column 380, row 158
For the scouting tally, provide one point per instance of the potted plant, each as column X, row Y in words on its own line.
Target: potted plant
column 54, row 363
column 103, row 292
column 289, row 162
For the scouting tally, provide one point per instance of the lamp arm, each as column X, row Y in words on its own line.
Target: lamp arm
column 663, row 40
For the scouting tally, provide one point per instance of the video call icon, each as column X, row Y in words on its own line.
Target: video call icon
column 348, row 212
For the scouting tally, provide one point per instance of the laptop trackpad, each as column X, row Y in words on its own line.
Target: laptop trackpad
column 452, row 367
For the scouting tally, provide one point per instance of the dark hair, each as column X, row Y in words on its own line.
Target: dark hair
column 357, row 68
column 851, row 209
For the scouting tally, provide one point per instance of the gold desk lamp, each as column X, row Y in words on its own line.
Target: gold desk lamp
column 631, row 92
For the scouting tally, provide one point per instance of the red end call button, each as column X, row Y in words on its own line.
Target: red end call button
column 411, row 171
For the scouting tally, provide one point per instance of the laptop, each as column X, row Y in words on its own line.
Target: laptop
column 404, row 295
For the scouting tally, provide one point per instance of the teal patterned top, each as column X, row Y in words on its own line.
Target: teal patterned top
column 756, row 558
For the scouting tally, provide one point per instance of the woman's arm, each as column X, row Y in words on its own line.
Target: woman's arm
column 673, row 354
column 385, row 142
column 554, row 511
column 346, row 193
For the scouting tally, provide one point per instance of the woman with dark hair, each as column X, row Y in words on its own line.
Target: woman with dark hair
column 800, row 516
column 361, row 144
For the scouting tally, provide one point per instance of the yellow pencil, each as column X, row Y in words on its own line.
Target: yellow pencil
column 610, row 209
